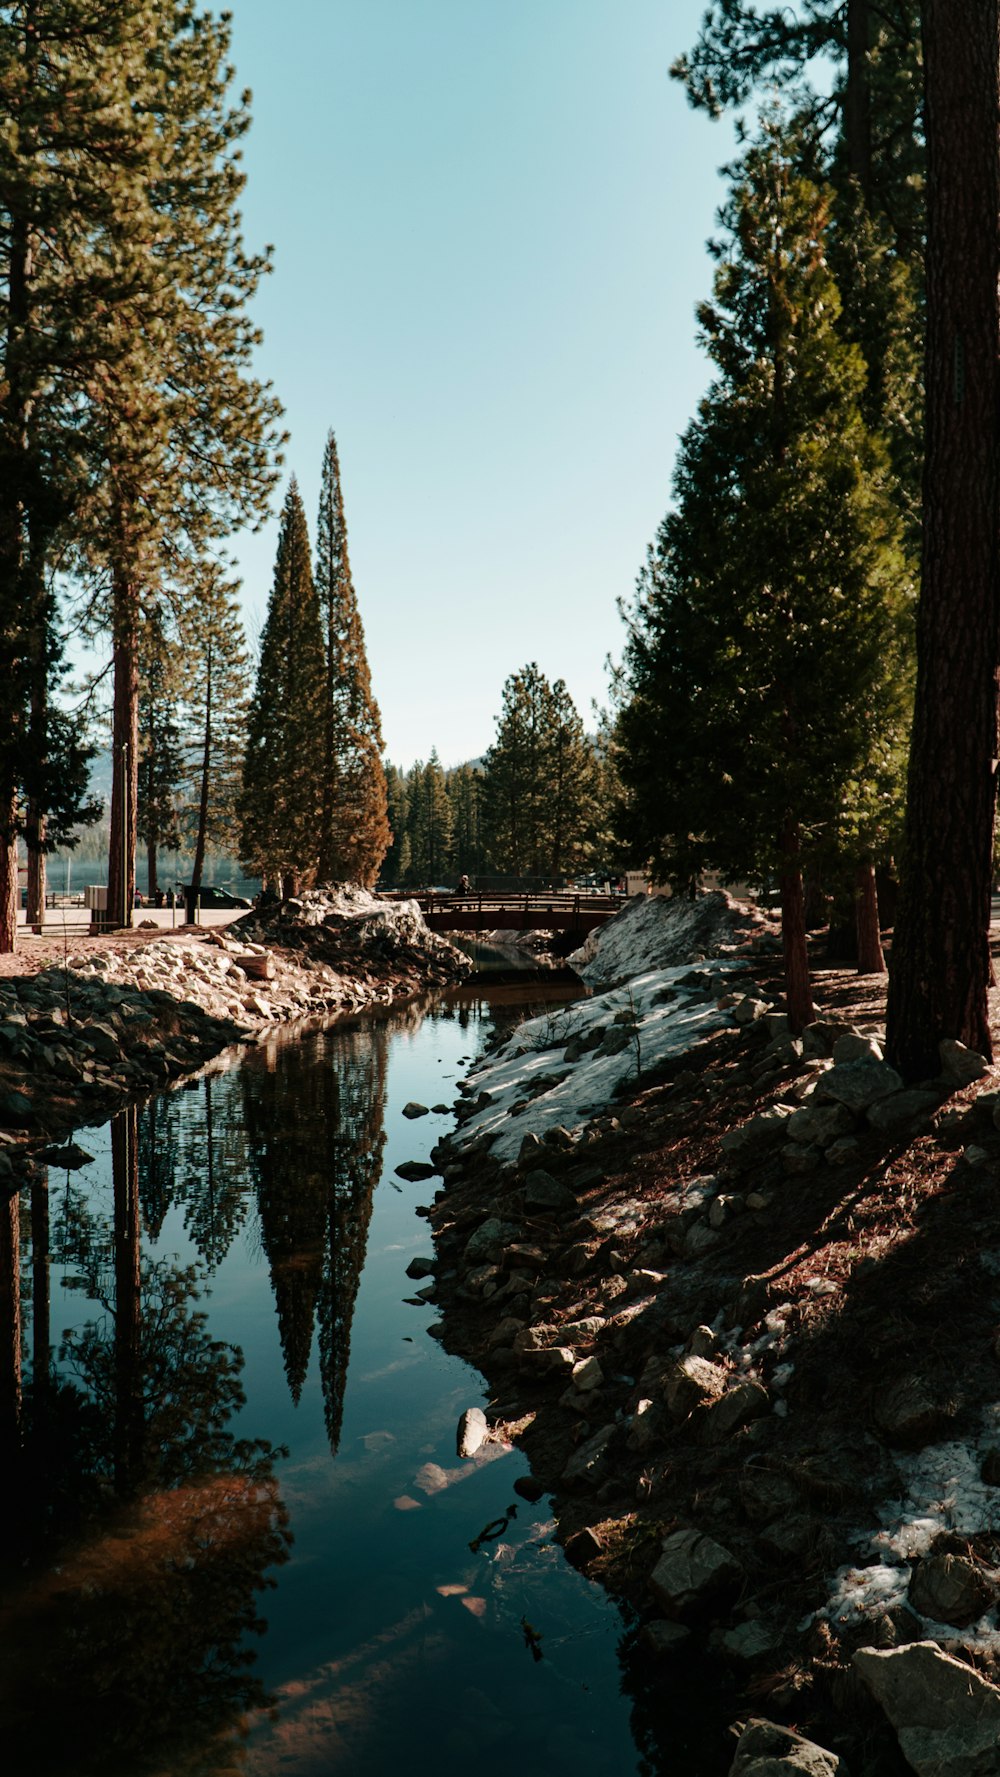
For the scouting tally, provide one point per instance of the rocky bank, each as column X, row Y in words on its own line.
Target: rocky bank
column 77, row 1039
column 737, row 1295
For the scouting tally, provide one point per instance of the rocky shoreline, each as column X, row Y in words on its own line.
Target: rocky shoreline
column 742, row 1318
column 112, row 1021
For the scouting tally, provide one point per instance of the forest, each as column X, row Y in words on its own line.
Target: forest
column 807, row 691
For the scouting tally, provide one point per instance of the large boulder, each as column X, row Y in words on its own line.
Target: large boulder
column 693, row 1570
column 946, row 1717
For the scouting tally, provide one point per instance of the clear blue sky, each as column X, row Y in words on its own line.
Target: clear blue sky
column 489, row 220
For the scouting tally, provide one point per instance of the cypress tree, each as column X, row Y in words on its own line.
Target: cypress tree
column 282, row 792
column 354, row 829
column 764, row 662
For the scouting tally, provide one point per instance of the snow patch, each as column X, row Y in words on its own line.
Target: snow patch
column 660, row 931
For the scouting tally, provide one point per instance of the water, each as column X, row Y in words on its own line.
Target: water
column 226, row 1284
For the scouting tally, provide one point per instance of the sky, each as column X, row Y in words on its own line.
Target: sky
column 489, row 221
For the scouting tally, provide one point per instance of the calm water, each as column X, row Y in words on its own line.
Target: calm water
column 243, row 1530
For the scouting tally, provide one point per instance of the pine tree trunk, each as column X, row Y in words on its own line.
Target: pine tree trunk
column 940, row 956
column 793, row 932
column 124, row 749
column 857, row 97
column 35, row 899
column 871, row 959
column 8, row 877
column 152, row 869
column 206, row 768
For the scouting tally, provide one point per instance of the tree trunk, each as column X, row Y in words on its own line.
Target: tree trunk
column 206, row 766
column 857, row 98
column 871, row 959
column 940, row 956
column 35, row 899
column 793, row 932
column 128, row 1430
column 9, row 896
column 124, row 749
column 152, row 877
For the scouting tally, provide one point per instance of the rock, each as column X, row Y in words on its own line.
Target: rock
column 546, row 1360
column 472, row 1431
column 588, row 1462
column 798, row 1161
column 505, row 1332
column 902, row 1109
column 420, row 1267
column 587, row 1375
column 583, row 1547
column 699, row 1239
column 950, row 1589
column 692, row 1382
column 529, row 1151
column 946, row 1717
column 414, row 1170
column 854, row 1046
column 758, row 1133
column 413, row 1109
column 748, row 1642
column 661, row 1637
column 16, row 1109
column 739, row 1406
column 693, row 1570
column 749, row 1010
column 976, row 1155
column 820, row 1124
column 703, row 1342
column 489, row 1240
column 858, row 1084
column 543, row 1192
column 910, row 1414
column 842, row 1151
column 959, row 1065
column 766, row 1750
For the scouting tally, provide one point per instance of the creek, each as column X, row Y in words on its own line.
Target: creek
column 245, row 1542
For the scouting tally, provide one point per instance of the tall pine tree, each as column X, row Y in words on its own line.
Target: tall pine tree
column 282, row 794
column 765, row 656
column 354, row 827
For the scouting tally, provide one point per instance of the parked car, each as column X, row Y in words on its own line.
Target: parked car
column 214, row 898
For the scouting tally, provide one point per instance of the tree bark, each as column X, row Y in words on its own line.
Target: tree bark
column 940, row 959
column 857, row 97
column 871, row 958
column 206, row 768
column 152, row 878
column 35, row 899
column 8, row 876
column 124, row 748
column 793, row 932
column 10, row 1324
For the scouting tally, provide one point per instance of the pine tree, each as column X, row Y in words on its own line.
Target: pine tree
column 161, row 761
column 216, row 696
column 282, row 797
column 941, row 958
column 538, row 780
column 397, row 808
column 69, row 149
column 464, row 786
column 430, row 824
column 765, row 663
column 354, row 831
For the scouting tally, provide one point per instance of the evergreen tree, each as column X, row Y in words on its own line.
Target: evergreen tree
column 397, row 807
column 354, row 831
column 216, row 698
column 463, row 786
column 281, row 799
column 430, row 824
column 538, row 780
column 161, row 760
column 765, row 663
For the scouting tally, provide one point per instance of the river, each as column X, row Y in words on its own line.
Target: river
column 246, row 1542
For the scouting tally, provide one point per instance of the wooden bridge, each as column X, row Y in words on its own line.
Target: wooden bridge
column 554, row 911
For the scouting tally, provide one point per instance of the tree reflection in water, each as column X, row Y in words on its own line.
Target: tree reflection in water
column 130, row 1648
column 314, row 1145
